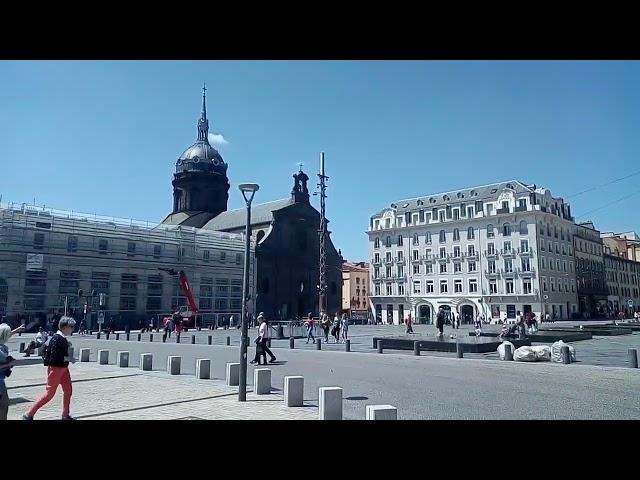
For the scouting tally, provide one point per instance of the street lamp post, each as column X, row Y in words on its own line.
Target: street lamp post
column 248, row 191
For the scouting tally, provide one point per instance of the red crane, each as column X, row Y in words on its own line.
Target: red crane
column 185, row 314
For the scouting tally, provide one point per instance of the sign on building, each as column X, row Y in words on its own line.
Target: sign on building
column 35, row 261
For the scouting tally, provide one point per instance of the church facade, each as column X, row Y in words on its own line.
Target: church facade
column 286, row 231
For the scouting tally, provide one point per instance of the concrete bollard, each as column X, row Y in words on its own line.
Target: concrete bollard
column 199, row 329
column 117, row 336
column 233, row 374
column 103, row 357
column 228, row 341
column 209, row 339
column 98, row 336
column 292, row 343
column 203, row 368
column 347, row 345
column 508, row 353
column 177, row 338
column 107, row 336
column 128, row 336
column 173, row 365
column 262, row 381
column 330, row 405
column 293, row 391
column 22, row 347
column 381, row 412
column 380, row 348
column 459, row 350
column 416, row 348
column 151, row 337
column 633, row 358
column 193, row 339
column 139, row 336
column 85, row 354
column 318, row 344
column 146, row 361
column 565, row 354
column 123, row 359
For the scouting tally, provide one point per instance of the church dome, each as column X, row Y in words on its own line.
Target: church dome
column 201, row 156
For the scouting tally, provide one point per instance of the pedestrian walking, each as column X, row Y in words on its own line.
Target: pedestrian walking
column 478, row 325
column 335, row 328
column 409, row 324
column 178, row 326
column 440, row 321
column 344, row 328
column 310, row 325
column 168, row 326
column 56, row 357
column 325, row 323
column 39, row 341
column 264, row 334
column 6, row 362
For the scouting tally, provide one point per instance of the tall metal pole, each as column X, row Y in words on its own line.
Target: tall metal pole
column 322, row 232
column 242, row 383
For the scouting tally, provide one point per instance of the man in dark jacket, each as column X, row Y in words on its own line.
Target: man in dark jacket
column 440, row 321
column 57, row 370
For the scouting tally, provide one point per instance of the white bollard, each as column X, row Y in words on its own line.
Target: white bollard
column 381, row 412
column 85, row 354
column 262, row 381
column 203, row 368
column 103, row 357
column 330, row 407
column 146, row 361
column 293, row 391
column 123, row 359
column 233, row 374
column 173, row 365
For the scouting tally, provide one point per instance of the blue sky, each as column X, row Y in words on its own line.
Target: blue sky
column 103, row 136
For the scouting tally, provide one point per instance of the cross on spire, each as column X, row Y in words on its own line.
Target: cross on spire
column 300, row 166
column 203, row 123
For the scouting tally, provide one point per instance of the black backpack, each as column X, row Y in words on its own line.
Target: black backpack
column 46, row 352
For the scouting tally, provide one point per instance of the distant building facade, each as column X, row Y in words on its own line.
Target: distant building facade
column 495, row 249
column 590, row 269
column 48, row 255
column 355, row 289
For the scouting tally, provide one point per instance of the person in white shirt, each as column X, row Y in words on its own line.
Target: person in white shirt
column 40, row 340
column 264, row 334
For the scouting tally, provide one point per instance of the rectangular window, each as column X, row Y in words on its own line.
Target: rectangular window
column 377, row 289
column 400, row 289
column 526, row 287
column 509, row 286
column 492, row 266
column 524, row 246
column 400, row 255
column 400, row 241
column 416, row 239
column 429, row 268
column 471, row 233
column 376, row 272
column 157, row 251
column 456, row 251
column 443, row 252
column 222, row 304
column 416, row 286
column 457, row 267
column 507, row 247
column 526, row 266
column 416, row 254
column 206, row 255
column 181, row 253
column 389, row 289
column 443, row 286
column 69, row 282
column 457, row 286
column 131, row 248
column 473, row 286
column 551, row 264
column 508, row 265
column 456, row 214
column 103, row 246
column 430, row 286
column 128, row 304
column 470, row 212
column 441, row 215
column 223, row 256
column 388, row 256
column 416, row 269
column 400, row 271
column 471, row 266
column 38, row 241
column 522, row 203
column 388, row 272
column 471, row 250
column 72, row 243
column 493, row 287
column 443, row 268
column 491, row 249
column 552, row 281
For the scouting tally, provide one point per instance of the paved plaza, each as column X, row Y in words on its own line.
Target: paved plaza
column 431, row 386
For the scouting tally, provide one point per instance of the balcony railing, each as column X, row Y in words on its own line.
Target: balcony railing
column 427, row 258
column 495, row 273
column 507, row 273
column 388, row 261
column 400, row 260
column 502, row 210
column 487, row 253
column 527, row 273
column 415, row 260
column 471, row 256
column 375, row 262
column 507, row 253
column 524, row 253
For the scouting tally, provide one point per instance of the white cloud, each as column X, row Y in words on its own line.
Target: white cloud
column 217, row 139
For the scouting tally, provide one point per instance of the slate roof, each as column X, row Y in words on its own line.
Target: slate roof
column 260, row 213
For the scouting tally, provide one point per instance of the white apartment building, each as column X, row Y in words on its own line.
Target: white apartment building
column 495, row 249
